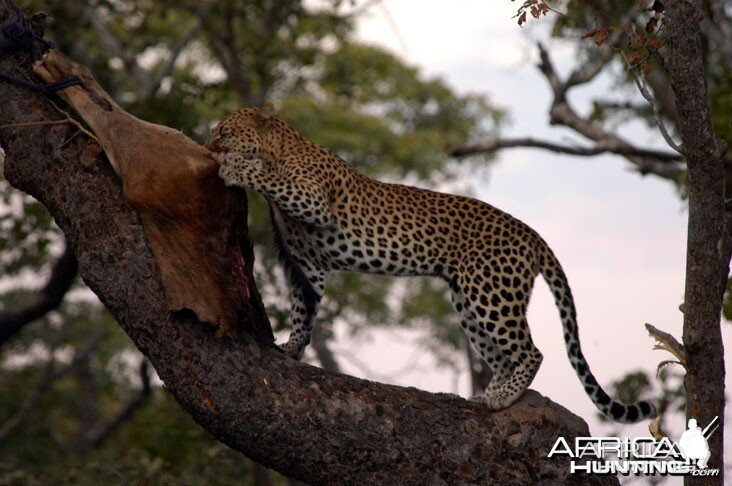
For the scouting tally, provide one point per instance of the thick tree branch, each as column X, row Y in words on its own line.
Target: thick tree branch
column 45, row 300
column 647, row 161
column 300, row 420
column 501, row 143
column 562, row 113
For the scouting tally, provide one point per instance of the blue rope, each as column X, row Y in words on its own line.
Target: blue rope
column 20, row 36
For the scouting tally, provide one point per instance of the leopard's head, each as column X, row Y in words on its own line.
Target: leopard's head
column 242, row 132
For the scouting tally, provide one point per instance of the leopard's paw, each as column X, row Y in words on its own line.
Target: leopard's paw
column 231, row 164
column 292, row 350
column 492, row 400
column 228, row 174
column 237, row 170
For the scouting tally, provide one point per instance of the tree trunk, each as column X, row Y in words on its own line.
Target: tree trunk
column 304, row 422
column 706, row 258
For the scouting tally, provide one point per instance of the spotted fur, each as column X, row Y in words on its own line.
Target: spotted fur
column 327, row 216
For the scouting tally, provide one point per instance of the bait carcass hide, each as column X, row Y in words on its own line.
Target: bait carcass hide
column 195, row 225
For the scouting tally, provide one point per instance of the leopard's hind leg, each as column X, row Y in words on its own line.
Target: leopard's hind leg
column 501, row 368
column 496, row 309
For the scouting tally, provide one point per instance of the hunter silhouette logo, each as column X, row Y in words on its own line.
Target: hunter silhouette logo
column 641, row 455
column 693, row 442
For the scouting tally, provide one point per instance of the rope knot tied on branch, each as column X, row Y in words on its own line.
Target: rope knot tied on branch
column 20, row 36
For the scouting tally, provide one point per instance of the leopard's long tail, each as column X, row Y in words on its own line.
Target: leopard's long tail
column 552, row 272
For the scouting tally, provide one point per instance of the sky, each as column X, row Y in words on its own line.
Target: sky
column 620, row 237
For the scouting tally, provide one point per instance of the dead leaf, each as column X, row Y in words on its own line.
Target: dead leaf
column 601, row 36
column 590, row 33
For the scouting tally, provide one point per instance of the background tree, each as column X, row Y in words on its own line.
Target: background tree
column 185, row 66
column 677, row 54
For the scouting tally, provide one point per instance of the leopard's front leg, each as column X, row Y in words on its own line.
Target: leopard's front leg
column 306, row 290
column 300, row 198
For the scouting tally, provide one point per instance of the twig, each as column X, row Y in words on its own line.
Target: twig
column 68, row 140
column 34, row 123
column 104, row 431
column 643, row 88
column 156, row 78
column 75, row 123
column 29, row 402
column 585, row 73
column 667, row 342
column 50, row 376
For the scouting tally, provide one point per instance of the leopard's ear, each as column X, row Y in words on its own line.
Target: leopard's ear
column 266, row 112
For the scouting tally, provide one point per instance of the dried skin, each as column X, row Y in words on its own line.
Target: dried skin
column 185, row 208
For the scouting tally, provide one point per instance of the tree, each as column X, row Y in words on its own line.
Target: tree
column 369, row 431
column 678, row 55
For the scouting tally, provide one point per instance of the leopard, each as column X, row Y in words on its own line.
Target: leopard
column 327, row 216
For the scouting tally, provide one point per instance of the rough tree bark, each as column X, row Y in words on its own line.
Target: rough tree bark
column 299, row 420
column 707, row 257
